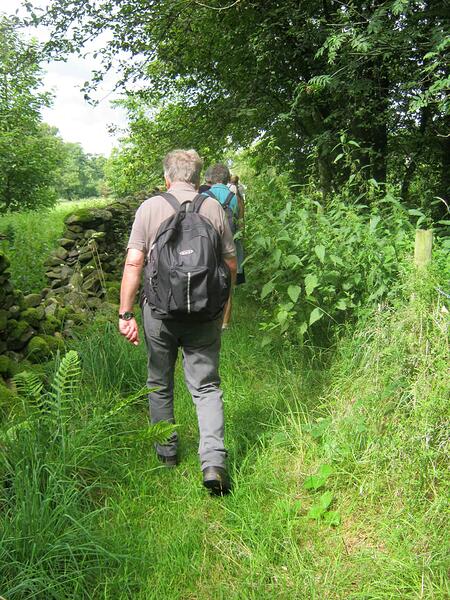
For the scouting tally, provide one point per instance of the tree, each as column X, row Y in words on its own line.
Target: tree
column 292, row 75
column 81, row 174
column 28, row 149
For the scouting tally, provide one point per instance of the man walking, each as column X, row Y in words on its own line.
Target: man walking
column 199, row 340
column 219, row 176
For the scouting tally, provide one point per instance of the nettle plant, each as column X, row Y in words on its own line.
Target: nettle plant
column 314, row 264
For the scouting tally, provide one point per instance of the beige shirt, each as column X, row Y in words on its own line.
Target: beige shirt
column 153, row 211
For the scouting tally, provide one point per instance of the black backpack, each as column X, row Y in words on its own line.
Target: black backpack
column 185, row 277
column 227, row 208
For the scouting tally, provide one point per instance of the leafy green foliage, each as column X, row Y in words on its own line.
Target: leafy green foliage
column 315, row 482
column 316, row 265
column 291, row 75
column 59, row 456
column 81, row 175
column 29, row 152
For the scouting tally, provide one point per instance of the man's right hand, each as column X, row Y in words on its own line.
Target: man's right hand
column 129, row 329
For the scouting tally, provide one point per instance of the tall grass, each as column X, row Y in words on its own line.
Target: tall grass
column 61, row 456
column 30, row 237
column 88, row 512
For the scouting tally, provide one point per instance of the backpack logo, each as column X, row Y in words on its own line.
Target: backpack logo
column 186, row 252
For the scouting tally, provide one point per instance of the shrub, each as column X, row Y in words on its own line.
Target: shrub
column 314, row 265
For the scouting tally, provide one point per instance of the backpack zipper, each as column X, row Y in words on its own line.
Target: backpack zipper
column 189, row 294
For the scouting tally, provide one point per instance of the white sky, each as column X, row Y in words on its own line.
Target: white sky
column 76, row 120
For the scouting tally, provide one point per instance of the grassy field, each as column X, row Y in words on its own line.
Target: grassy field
column 94, row 515
column 30, row 238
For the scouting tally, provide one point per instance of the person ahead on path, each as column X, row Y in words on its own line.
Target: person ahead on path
column 199, row 340
column 238, row 189
column 207, row 185
column 219, row 175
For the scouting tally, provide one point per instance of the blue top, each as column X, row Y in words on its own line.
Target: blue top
column 221, row 192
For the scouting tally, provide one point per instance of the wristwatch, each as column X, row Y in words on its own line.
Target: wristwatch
column 126, row 316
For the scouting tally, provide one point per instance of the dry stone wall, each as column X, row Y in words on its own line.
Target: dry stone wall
column 83, row 270
column 83, row 275
column 28, row 326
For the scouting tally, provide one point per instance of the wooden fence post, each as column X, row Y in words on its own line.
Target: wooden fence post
column 422, row 248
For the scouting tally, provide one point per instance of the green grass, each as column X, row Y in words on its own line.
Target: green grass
column 31, row 237
column 125, row 527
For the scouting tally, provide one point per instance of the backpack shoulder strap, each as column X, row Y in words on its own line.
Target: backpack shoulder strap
column 210, row 194
column 228, row 200
column 198, row 201
column 171, row 200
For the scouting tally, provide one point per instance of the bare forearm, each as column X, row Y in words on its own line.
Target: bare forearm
column 131, row 281
column 232, row 265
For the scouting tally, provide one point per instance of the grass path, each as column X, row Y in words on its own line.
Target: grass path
column 258, row 543
column 179, row 543
column 189, row 545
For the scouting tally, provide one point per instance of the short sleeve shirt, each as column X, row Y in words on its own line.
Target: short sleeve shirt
column 153, row 211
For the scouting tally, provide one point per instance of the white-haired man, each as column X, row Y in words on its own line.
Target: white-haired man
column 200, row 341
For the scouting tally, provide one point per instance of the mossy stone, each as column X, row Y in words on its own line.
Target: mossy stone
column 52, row 261
column 54, row 343
column 88, row 215
column 66, row 242
column 32, row 300
column 38, row 349
column 14, row 311
column 33, row 316
column 6, row 293
column 74, row 229
column 3, row 319
column 73, row 235
column 4, row 263
column 8, row 367
column 77, row 300
column 50, row 324
column 60, row 253
column 19, row 332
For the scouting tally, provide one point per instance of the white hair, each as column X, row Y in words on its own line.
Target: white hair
column 183, row 165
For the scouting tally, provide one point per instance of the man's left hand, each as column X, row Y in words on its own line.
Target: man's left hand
column 129, row 329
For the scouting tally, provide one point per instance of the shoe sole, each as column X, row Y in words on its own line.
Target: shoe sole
column 215, row 487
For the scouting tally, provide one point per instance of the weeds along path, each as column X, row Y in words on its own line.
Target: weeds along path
column 183, row 543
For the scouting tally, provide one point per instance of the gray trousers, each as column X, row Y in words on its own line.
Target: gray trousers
column 200, row 343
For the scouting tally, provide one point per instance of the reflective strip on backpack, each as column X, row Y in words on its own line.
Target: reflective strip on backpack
column 189, row 294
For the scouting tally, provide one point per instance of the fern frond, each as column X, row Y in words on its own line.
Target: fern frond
column 158, row 433
column 29, row 386
column 126, row 402
column 66, row 382
column 9, row 434
column 64, row 392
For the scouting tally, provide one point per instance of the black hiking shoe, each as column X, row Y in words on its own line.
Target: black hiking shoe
column 216, row 480
column 168, row 461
